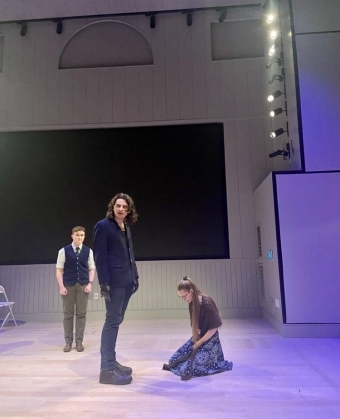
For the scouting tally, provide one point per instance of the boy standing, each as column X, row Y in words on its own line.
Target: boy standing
column 75, row 271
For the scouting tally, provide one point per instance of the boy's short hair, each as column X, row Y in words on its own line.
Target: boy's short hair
column 78, row 228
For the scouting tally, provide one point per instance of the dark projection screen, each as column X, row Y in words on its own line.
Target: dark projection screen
column 51, row 181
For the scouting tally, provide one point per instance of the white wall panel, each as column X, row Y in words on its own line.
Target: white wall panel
column 145, row 93
column 5, row 30
column 118, row 94
column 227, row 88
column 245, row 180
column 318, row 67
column 265, row 218
column 309, row 220
column 212, row 72
column 66, row 97
column 172, row 68
column 233, row 195
column 231, row 283
column 79, row 96
column 199, row 67
column 105, row 95
column 14, row 77
column 185, row 70
column 132, row 94
column 255, row 88
column 92, row 95
column 40, row 75
column 27, row 76
column 241, row 87
column 55, row 45
column 159, row 70
column 316, row 15
column 258, row 151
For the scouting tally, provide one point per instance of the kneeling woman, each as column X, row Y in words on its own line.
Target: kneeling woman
column 202, row 354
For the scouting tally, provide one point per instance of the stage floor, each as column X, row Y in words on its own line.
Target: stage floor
column 273, row 377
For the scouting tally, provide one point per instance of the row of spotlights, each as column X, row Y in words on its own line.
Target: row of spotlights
column 273, row 34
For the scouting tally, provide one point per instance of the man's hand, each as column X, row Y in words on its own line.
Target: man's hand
column 63, row 291
column 136, row 285
column 105, row 291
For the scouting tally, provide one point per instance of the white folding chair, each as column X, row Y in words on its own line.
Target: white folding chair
column 7, row 304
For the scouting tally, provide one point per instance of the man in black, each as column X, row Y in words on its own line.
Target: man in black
column 118, row 279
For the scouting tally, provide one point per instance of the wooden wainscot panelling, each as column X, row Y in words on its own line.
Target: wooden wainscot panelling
column 232, row 283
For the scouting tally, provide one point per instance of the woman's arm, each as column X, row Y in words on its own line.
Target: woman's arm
column 206, row 337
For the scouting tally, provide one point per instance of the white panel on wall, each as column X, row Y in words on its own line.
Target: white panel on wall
column 40, row 75
column 265, row 219
column 159, row 71
column 241, row 87
column 145, row 93
column 79, row 96
column 92, row 96
column 27, row 76
column 318, row 70
column 232, row 284
column 14, row 77
column 132, row 94
column 118, row 94
column 212, row 72
column 199, row 67
column 5, row 34
column 309, row 220
column 255, row 68
column 185, row 69
column 227, row 88
column 53, row 78
column 105, row 95
column 245, row 181
column 172, row 68
column 316, row 15
column 258, row 151
column 233, row 197
column 66, row 97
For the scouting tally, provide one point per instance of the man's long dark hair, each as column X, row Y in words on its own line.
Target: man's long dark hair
column 132, row 213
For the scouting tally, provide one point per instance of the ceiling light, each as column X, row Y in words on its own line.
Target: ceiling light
column 270, row 18
column 274, row 96
column 273, row 34
column 276, row 112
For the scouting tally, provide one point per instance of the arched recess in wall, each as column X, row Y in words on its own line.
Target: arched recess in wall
column 106, row 44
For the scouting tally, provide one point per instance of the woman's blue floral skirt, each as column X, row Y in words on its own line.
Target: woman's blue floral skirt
column 206, row 360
